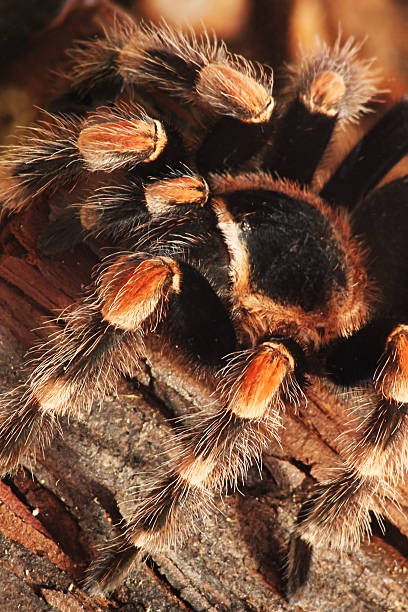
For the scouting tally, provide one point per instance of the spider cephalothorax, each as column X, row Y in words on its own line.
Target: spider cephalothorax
column 199, row 190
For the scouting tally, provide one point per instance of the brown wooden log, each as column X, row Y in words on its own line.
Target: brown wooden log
column 56, row 511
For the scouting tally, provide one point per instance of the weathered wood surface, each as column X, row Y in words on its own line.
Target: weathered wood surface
column 56, row 511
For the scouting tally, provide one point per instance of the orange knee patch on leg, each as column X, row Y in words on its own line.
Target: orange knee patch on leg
column 399, row 338
column 109, row 145
column 325, row 93
column 392, row 376
column 130, row 294
column 261, row 378
column 161, row 195
column 234, row 93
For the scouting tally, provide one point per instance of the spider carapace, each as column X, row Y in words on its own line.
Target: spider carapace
column 202, row 190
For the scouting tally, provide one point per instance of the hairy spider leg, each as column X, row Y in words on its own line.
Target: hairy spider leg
column 210, row 452
column 195, row 70
column 78, row 363
column 374, row 449
column 374, row 453
column 377, row 445
column 54, row 153
column 327, row 89
column 100, row 340
column 125, row 212
column 370, row 160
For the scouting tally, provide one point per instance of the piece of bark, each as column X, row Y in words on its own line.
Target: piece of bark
column 56, row 511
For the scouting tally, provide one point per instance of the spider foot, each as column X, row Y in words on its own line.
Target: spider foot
column 337, row 515
column 111, row 567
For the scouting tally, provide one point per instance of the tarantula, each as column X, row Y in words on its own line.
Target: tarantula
column 200, row 191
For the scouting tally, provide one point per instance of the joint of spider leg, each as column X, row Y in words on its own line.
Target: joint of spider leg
column 94, row 63
column 391, row 377
column 325, row 94
column 131, row 292
column 121, row 211
column 195, row 471
column 161, row 196
column 335, row 82
column 254, row 380
column 234, row 93
column 111, row 210
column 106, row 146
column 249, row 390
